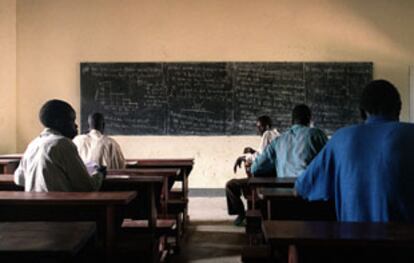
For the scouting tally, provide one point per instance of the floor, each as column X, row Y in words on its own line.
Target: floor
column 211, row 235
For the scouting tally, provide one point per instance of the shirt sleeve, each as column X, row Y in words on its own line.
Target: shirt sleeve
column 317, row 141
column 75, row 169
column 264, row 163
column 118, row 160
column 317, row 181
column 19, row 178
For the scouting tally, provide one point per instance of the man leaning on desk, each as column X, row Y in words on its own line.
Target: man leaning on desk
column 367, row 169
column 51, row 161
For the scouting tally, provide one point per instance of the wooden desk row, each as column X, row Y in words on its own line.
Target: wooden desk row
column 307, row 226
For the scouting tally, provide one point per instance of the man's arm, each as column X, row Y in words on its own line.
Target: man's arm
column 118, row 160
column 317, row 181
column 264, row 163
column 75, row 169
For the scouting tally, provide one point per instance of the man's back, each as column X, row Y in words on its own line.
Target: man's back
column 368, row 170
column 100, row 149
column 290, row 153
column 51, row 163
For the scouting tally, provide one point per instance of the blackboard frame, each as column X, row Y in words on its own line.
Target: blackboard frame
column 236, row 94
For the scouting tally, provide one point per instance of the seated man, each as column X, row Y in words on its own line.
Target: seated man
column 51, row 161
column 234, row 187
column 97, row 147
column 290, row 153
column 367, row 169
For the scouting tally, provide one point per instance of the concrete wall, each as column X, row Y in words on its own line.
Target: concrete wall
column 54, row 36
column 8, row 76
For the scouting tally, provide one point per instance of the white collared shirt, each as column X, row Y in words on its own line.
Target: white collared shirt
column 101, row 149
column 267, row 137
column 52, row 163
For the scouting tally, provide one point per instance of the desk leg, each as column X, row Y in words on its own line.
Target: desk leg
column 109, row 234
column 269, row 210
column 152, row 223
column 165, row 196
column 253, row 198
column 185, row 195
column 293, row 256
column 152, row 220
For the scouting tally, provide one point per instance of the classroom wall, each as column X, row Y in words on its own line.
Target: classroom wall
column 53, row 37
column 8, row 76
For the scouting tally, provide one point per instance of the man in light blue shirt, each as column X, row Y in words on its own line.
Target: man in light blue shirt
column 289, row 154
column 367, row 169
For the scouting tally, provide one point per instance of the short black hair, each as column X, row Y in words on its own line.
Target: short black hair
column 54, row 113
column 265, row 121
column 301, row 114
column 96, row 121
column 381, row 97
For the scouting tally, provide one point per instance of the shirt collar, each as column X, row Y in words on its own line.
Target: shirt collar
column 379, row 119
column 48, row 131
column 94, row 132
column 297, row 126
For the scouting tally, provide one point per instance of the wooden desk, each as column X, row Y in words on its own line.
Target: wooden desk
column 146, row 187
column 7, row 183
column 8, row 166
column 11, row 156
column 185, row 166
column 67, row 206
column 282, row 203
column 339, row 234
column 280, row 182
column 39, row 241
column 165, row 173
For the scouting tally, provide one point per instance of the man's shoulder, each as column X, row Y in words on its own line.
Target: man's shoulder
column 80, row 138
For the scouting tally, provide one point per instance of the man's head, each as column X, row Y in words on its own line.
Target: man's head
column 301, row 114
column 96, row 121
column 263, row 124
column 380, row 97
column 60, row 116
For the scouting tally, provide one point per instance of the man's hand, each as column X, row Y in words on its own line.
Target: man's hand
column 238, row 163
column 102, row 170
column 249, row 150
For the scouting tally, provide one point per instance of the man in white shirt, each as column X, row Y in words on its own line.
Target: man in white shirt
column 51, row 161
column 97, row 147
column 234, row 187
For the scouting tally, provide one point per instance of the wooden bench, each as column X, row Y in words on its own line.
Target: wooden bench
column 328, row 235
column 100, row 207
column 8, row 166
column 44, row 241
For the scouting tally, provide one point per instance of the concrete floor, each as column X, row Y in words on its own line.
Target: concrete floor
column 211, row 236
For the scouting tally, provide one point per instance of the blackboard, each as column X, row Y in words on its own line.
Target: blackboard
column 219, row 98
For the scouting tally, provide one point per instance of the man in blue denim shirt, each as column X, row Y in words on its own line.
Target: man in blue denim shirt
column 367, row 169
column 289, row 154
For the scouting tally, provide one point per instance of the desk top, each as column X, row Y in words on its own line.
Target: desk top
column 133, row 179
column 277, row 193
column 145, row 172
column 9, row 161
column 66, row 198
column 44, row 238
column 272, row 181
column 172, row 162
column 17, row 156
column 337, row 233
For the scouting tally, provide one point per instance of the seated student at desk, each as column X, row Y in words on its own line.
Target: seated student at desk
column 367, row 169
column 290, row 153
column 51, row 161
column 97, row 147
column 234, row 187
